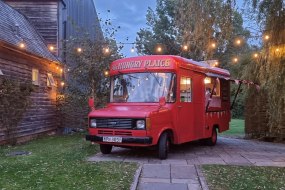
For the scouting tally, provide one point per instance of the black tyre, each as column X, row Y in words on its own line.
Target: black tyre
column 105, row 148
column 213, row 139
column 163, row 146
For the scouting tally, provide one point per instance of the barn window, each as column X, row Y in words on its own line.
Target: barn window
column 35, row 76
column 50, row 80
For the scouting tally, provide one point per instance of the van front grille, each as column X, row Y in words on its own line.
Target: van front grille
column 116, row 123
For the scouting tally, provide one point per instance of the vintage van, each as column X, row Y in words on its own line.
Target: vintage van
column 161, row 99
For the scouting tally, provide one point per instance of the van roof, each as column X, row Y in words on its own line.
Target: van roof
column 201, row 67
column 208, row 70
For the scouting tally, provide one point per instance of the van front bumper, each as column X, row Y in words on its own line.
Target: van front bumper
column 125, row 140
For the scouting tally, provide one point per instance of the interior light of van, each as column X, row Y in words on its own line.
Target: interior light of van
column 207, row 80
column 93, row 123
column 185, row 81
column 140, row 124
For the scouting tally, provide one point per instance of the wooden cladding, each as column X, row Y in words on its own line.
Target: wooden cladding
column 41, row 115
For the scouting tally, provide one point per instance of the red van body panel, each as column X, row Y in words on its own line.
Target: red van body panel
column 192, row 115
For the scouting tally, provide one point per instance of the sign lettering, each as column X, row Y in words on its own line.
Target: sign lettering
column 139, row 64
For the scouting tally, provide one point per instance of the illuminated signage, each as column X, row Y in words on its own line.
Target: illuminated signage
column 138, row 64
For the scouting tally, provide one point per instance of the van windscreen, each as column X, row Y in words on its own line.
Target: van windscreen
column 143, row 87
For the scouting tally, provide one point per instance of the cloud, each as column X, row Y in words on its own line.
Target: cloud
column 128, row 14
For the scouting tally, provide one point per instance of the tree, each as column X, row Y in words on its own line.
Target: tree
column 232, row 49
column 205, row 25
column 161, row 32
column 194, row 26
column 86, row 67
column 269, row 71
column 272, row 15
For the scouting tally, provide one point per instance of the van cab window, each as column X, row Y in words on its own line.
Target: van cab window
column 143, row 87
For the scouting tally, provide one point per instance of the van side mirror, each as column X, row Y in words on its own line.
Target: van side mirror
column 91, row 103
column 162, row 101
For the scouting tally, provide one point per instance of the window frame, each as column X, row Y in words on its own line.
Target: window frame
column 36, row 76
column 50, row 80
column 188, row 99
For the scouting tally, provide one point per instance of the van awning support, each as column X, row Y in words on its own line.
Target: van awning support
column 236, row 81
column 240, row 82
column 233, row 103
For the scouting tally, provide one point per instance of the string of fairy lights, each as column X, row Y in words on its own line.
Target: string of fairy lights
column 159, row 48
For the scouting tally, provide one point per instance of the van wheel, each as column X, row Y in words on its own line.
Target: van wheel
column 213, row 139
column 163, row 146
column 105, row 148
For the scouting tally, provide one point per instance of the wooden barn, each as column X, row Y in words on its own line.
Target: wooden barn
column 32, row 36
column 59, row 20
column 26, row 60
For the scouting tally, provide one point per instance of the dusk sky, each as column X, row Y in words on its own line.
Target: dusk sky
column 128, row 14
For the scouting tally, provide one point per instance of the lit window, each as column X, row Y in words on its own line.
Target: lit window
column 1, row 73
column 210, row 83
column 207, row 80
column 35, row 76
column 50, row 80
column 185, row 89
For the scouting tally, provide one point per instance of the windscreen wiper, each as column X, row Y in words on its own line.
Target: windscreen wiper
column 156, row 78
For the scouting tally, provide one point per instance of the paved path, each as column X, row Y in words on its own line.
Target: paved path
column 181, row 170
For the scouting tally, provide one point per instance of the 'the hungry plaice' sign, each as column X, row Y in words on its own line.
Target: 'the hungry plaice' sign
column 141, row 63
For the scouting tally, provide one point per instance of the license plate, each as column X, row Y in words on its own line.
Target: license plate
column 112, row 139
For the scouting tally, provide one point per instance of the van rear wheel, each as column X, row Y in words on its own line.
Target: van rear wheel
column 163, row 146
column 213, row 139
column 105, row 148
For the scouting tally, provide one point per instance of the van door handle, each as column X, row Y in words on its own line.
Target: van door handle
column 179, row 106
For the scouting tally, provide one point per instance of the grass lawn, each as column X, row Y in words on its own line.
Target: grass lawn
column 242, row 177
column 236, row 128
column 60, row 163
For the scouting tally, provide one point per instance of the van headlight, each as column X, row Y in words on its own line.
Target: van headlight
column 93, row 123
column 140, row 124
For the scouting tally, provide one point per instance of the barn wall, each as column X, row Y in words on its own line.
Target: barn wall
column 41, row 116
column 82, row 20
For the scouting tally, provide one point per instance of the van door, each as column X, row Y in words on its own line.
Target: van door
column 185, row 108
column 199, row 105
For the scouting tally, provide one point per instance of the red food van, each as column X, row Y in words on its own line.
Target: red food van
column 161, row 99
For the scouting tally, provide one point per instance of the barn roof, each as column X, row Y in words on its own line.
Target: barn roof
column 15, row 28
